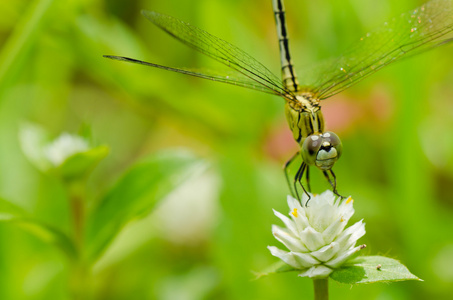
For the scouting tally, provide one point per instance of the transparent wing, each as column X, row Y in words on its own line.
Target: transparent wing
column 419, row 30
column 224, row 76
column 221, row 51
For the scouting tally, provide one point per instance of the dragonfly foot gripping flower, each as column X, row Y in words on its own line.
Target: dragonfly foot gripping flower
column 316, row 235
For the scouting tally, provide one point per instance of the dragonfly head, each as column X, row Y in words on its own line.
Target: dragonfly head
column 322, row 150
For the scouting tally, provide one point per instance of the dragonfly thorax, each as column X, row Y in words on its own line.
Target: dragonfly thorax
column 306, row 121
column 304, row 117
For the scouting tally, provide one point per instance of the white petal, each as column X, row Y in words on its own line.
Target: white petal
column 287, row 239
column 321, row 216
column 322, row 211
column 326, row 253
column 316, row 203
column 333, row 230
column 305, row 259
column 318, row 271
column 65, row 146
column 346, row 209
column 312, row 239
column 349, row 237
column 328, row 196
column 288, row 223
column 301, row 221
column 284, row 229
column 297, row 214
column 294, row 204
column 287, row 257
column 338, row 261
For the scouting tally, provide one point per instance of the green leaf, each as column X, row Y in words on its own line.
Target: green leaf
column 10, row 213
column 25, row 33
column 278, row 267
column 368, row 269
column 81, row 164
column 136, row 194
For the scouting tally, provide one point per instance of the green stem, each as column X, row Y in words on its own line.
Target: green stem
column 76, row 191
column 78, row 284
column 321, row 288
column 80, row 271
column 78, row 215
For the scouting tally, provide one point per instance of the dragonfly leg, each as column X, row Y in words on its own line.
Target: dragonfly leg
column 334, row 183
column 299, row 171
column 303, row 167
column 307, row 178
column 286, row 170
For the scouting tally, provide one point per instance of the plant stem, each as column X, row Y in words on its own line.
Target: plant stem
column 79, row 280
column 78, row 284
column 321, row 288
column 78, row 215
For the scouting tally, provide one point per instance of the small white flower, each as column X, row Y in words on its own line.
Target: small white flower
column 63, row 147
column 68, row 157
column 315, row 235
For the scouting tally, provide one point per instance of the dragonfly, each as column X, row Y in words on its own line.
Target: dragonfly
column 411, row 33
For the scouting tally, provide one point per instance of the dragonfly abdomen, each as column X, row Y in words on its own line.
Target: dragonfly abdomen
column 288, row 73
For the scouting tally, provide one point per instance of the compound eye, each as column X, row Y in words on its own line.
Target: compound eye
column 334, row 141
column 310, row 148
column 331, row 138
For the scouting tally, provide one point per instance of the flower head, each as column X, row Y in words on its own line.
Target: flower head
column 65, row 146
column 69, row 157
column 315, row 235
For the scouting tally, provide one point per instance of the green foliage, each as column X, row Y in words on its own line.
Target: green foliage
column 369, row 269
column 362, row 269
column 25, row 32
column 80, row 165
column 10, row 213
column 136, row 194
column 278, row 267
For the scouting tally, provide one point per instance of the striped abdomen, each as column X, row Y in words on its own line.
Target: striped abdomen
column 288, row 73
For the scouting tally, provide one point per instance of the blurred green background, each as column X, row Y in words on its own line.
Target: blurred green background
column 205, row 238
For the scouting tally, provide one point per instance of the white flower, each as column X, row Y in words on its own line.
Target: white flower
column 63, row 147
column 315, row 235
column 69, row 157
